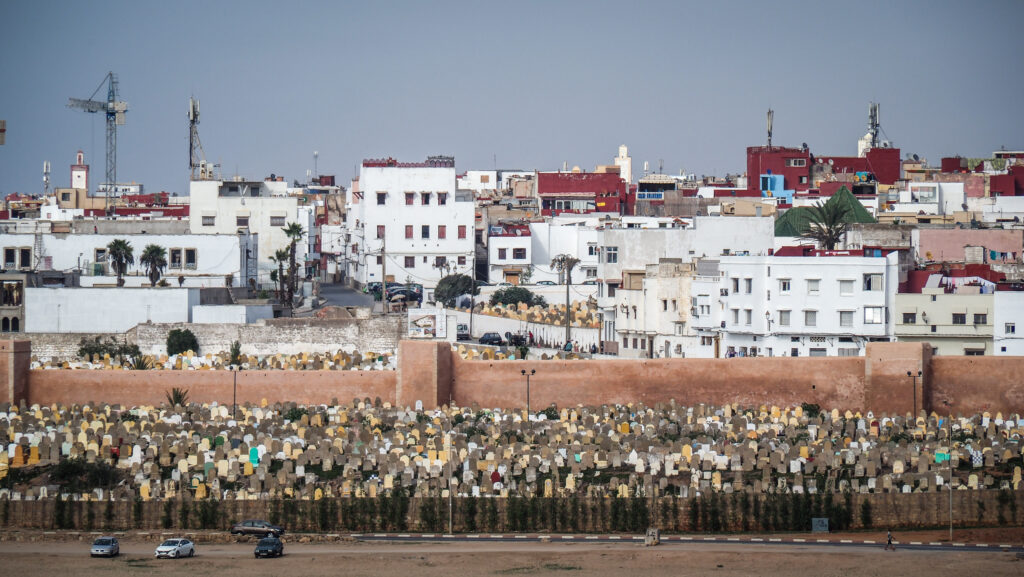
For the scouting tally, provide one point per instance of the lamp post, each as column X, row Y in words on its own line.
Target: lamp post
column 913, row 385
column 528, row 375
column 949, row 463
column 234, row 391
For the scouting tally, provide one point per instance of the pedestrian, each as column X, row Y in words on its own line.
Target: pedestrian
column 576, row 346
column 530, row 335
column 888, row 541
column 568, row 347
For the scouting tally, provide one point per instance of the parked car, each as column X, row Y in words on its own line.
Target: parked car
column 256, row 527
column 462, row 332
column 174, row 548
column 480, row 283
column 105, row 547
column 269, row 547
column 545, row 282
column 589, row 282
column 516, row 339
column 372, row 287
column 504, row 285
column 492, row 339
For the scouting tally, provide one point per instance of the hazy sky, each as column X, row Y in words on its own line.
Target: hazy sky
column 531, row 84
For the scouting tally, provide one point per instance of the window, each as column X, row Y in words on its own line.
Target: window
column 874, row 315
column 612, row 287
column 748, row 316
column 380, row 259
column 794, row 352
column 591, row 250
column 784, row 285
column 974, row 352
column 241, row 221
column 784, row 318
column 462, row 261
column 380, row 231
column 381, row 197
column 410, row 197
column 803, row 180
column 209, row 220
column 813, row 285
column 959, row 318
column 442, row 198
column 796, row 162
column 408, row 231
column 65, row 197
column 276, row 221
column 980, row 319
column 707, row 341
column 909, row 318
column 810, row 318
column 410, row 262
column 1009, row 328
column 664, row 304
column 425, row 231
column 873, row 282
column 425, row 198
column 462, row 231
column 442, row 231
column 501, row 253
column 440, row 261
column 485, row 178
column 355, row 248
column 611, row 254
column 735, row 316
column 846, row 287
column 748, row 285
column 846, row 318
column 175, row 258
column 625, row 342
column 643, row 344
column 11, row 256
column 519, row 254
column 26, row 257
column 735, row 286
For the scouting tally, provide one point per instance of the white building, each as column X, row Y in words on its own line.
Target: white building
column 105, row 310
column 806, row 305
column 261, row 209
column 574, row 235
column 479, row 180
column 1009, row 316
column 653, row 310
column 409, row 224
column 509, row 254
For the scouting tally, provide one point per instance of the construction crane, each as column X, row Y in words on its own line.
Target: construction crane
column 115, row 110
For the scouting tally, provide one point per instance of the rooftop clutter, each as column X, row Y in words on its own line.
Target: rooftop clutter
column 327, row 361
column 365, row 448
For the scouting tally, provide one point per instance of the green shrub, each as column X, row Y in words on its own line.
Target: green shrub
column 181, row 340
column 98, row 346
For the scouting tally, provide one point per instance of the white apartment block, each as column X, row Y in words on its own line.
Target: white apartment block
column 408, row 223
column 1008, row 323
column 653, row 310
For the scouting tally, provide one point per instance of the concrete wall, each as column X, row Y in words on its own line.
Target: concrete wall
column 105, row 310
column 150, row 387
column 214, row 314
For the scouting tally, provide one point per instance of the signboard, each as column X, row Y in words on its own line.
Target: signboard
column 819, row 525
column 427, row 324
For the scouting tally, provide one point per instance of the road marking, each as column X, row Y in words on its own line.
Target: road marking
column 686, row 538
column 638, row 538
column 380, row 534
column 959, row 545
column 871, row 542
column 846, row 540
column 356, row 535
column 568, row 537
column 616, row 537
column 823, row 541
column 472, row 536
column 733, row 539
column 1006, row 545
column 406, row 535
column 756, row 539
column 448, row 536
column 982, row 545
column 775, row 540
column 915, row 542
column 798, row 540
column 935, row 543
column 497, row 536
column 591, row 536
column 710, row 539
column 520, row 536
column 428, row 535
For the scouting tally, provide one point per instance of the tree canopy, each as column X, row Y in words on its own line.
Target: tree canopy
column 517, row 294
column 453, row 286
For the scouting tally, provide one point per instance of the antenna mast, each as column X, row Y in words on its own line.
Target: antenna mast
column 196, row 155
column 771, row 116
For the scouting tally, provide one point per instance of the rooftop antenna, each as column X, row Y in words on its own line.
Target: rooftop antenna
column 661, row 165
column 46, row 176
column 771, row 116
column 316, row 156
column 873, row 123
column 196, row 155
column 565, row 166
column 3, row 130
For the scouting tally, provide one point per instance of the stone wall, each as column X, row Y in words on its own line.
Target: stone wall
column 574, row 514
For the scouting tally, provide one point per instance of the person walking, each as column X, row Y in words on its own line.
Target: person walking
column 888, row 541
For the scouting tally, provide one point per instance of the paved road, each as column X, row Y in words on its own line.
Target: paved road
column 340, row 295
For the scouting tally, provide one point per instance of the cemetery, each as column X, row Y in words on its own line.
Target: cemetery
column 370, row 465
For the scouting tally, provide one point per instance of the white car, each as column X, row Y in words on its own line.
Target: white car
column 174, row 548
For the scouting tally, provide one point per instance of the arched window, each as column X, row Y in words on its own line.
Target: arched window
column 5, row 325
column 15, row 324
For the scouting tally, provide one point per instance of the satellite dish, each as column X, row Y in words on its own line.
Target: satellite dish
column 916, row 158
column 831, row 162
column 805, row 146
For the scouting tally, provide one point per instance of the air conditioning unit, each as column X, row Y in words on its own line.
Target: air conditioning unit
column 723, row 324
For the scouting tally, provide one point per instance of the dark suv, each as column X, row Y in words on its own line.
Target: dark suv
column 491, row 339
column 256, row 527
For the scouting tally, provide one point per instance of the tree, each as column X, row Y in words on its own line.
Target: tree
column 154, row 260
column 235, row 354
column 295, row 232
column 514, row 295
column 181, row 340
column 564, row 263
column 827, row 224
column 121, row 255
column 451, row 287
column 278, row 276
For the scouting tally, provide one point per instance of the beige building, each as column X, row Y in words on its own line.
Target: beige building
column 653, row 307
column 955, row 323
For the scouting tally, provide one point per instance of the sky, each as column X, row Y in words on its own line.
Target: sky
column 519, row 84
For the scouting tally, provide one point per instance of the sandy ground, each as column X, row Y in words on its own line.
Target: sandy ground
column 428, row 559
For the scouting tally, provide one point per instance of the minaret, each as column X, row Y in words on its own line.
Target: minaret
column 80, row 172
column 625, row 164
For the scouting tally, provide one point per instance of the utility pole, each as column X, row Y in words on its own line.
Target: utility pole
column 384, row 273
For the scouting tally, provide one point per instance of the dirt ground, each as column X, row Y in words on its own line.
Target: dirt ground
column 56, row 555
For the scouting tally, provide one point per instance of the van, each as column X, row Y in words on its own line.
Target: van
column 462, row 332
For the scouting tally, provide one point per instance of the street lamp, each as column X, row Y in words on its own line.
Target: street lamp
column 949, row 463
column 234, row 391
column 768, row 319
column 914, row 387
column 528, row 375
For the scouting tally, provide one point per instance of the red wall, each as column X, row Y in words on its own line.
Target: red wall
column 761, row 159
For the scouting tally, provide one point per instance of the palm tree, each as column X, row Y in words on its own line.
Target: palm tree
column 295, row 232
column 280, row 257
column 121, row 255
column 565, row 263
column 827, row 224
column 154, row 260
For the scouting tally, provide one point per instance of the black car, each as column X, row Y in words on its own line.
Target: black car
column 492, row 339
column 256, row 527
column 269, row 547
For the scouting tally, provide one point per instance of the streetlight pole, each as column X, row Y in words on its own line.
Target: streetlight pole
column 528, row 375
column 234, row 391
column 451, row 488
column 913, row 385
column 949, row 463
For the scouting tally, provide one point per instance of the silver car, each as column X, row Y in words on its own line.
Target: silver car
column 174, row 548
column 105, row 547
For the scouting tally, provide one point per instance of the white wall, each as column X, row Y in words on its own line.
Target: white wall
column 231, row 314
column 509, row 244
column 105, row 310
column 1009, row 308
